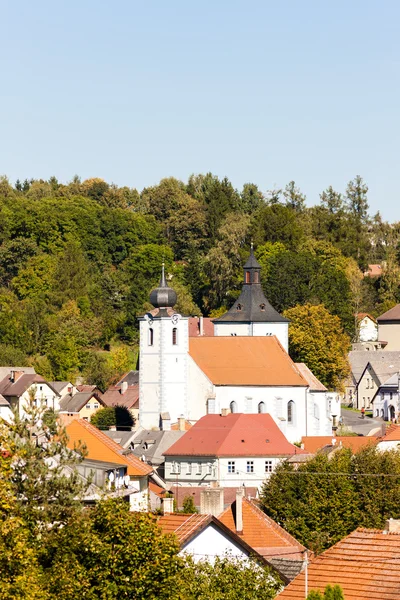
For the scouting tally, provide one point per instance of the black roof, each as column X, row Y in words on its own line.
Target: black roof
column 163, row 296
column 252, row 305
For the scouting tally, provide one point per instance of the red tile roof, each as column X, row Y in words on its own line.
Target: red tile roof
column 373, row 271
column 392, row 434
column 175, row 426
column 157, row 489
column 194, row 327
column 313, row 443
column 361, row 316
column 366, row 564
column 129, row 399
column 101, row 447
column 184, row 526
column 234, row 360
column 235, row 434
column 262, row 533
column 313, row 382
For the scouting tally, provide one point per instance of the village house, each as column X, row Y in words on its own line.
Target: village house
column 80, row 404
column 386, row 400
column 366, row 564
column 19, row 384
column 389, row 328
column 367, row 328
column 244, row 367
column 228, row 450
column 376, row 373
column 131, row 479
column 125, row 393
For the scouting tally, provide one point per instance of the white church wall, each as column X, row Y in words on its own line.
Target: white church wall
column 280, row 330
column 200, row 389
column 240, row 329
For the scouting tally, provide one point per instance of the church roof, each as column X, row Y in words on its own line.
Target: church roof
column 252, row 305
column 241, row 360
column 163, row 296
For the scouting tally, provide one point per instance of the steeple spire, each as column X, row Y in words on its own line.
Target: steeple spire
column 163, row 296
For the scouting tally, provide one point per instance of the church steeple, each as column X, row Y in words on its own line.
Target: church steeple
column 163, row 296
column 252, row 269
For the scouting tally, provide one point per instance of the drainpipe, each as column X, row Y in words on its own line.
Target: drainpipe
column 306, row 389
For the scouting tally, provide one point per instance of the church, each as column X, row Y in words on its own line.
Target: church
column 245, row 367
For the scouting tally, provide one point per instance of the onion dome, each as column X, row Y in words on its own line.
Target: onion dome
column 163, row 296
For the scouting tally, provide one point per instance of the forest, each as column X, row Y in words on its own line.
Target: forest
column 78, row 260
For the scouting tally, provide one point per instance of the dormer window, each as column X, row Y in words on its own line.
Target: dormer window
column 239, row 307
column 247, row 277
column 262, row 306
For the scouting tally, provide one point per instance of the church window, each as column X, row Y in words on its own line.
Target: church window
column 247, row 279
column 174, row 336
column 151, row 337
column 316, row 411
column 290, row 412
column 256, row 277
column 233, row 407
column 176, row 468
column 261, row 408
column 250, row 466
column 231, row 466
column 248, row 403
column 211, row 406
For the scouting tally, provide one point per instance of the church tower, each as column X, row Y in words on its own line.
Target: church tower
column 252, row 314
column 163, row 358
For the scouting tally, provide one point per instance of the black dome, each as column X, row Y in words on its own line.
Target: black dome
column 163, row 296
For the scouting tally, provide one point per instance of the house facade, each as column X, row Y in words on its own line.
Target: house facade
column 228, row 450
column 18, row 386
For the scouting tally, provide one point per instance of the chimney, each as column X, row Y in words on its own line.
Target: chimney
column 392, row 526
column 225, row 412
column 15, row 375
column 239, row 510
column 168, row 506
column 124, row 387
column 201, row 325
column 212, row 501
column 112, row 428
column 165, row 421
column 181, row 423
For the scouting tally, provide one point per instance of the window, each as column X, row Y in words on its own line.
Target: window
column 248, row 403
column 211, row 406
column 95, row 406
column 175, row 468
column 256, row 277
column 261, row 407
column 247, row 279
column 209, row 469
column 238, row 307
column 329, row 407
column 198, row 469
column 268, row 466
column 290, row 412
column 174, row 336
column 391, row 395
column 151, row 336
column 367, row 386
column 233, row 407
column 88, row 406
column 262, row 306
column 316, row 411
column 231, row 466
column 250, row 466
column 189, row 469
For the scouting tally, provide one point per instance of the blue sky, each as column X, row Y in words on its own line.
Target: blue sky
column 259, row 91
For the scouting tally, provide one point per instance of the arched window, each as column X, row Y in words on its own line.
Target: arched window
column 247, row 277
column 174, row 336
column 261, row 407
column 290, row 412
column 256, row 277
column 151, row 337
column 233, row 407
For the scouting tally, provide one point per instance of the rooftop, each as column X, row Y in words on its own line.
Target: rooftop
column 73, row 403
column 100, row 447
column 313, row 382
column 180, row 492
column 391, row 315
column 313, row 443
column 366, row 564
column 23, row 381
column 235, row 434
column 194, row 327
column 234, row 360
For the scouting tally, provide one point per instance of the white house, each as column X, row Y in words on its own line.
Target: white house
column 244, row 367
column 386, row 400
column 18, row 385
column 228, row 450
column 367, row 328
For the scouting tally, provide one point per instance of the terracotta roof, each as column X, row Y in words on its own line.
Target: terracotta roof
column 23, row 383
column 157, row 489
column 184, row 526
column 313, row 382
column 361, row 316
column 129, row 399
column 373, row 271
column 85, row 387
column 194, row 327
column 392, row 434
column 313, row 443
column 180, row 492
column 240, row 360
column 101, row 447
column 175, row 426
column 366, row 564
column 391, row 315
column 235, row 434
column 262, row 533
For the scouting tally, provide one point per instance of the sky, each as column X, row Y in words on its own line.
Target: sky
column 259, row 91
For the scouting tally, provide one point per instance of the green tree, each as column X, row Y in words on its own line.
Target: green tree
column 188, row 506
column 330, row 593
column 294, row 198
column 109, row 416
column 317, row 338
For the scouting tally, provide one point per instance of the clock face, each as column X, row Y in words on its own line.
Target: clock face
column 175, row 319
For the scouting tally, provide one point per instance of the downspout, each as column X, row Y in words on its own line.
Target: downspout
column 306, row 412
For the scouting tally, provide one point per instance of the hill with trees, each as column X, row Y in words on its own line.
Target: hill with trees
column 77, row 262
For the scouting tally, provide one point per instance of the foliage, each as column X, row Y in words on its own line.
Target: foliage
column 228, row 579
column 330, row 593
column 112, row 416
column 188, row 506
column 328, row 497
column 317, row 339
